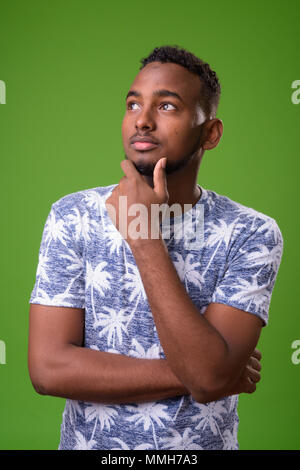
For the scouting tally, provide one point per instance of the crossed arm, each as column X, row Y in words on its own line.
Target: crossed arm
column 59, row 365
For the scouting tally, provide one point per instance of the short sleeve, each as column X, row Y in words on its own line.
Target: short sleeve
column 250, row 275
column 60, row 271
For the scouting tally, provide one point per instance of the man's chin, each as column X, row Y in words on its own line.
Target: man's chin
column 145, row 169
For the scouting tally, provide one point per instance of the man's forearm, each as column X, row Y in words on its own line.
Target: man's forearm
column 95, row 376
column 89, row 375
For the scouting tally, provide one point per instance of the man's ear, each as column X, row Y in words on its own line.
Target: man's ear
column 213, row 133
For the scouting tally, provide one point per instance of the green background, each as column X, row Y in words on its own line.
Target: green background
column 67, row 66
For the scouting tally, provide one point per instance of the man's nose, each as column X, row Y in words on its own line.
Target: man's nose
column 145, row 119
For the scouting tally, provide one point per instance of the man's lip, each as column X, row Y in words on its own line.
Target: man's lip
column 142, row 145
column 143, row 138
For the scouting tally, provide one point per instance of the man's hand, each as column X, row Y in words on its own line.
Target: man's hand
column 138, row 193
column 249, row 376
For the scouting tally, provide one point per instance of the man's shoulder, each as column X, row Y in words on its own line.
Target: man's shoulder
column 83, row 199
column 241, row 220
column 230, row 209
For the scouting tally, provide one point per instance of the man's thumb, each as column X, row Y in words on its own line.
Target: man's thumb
column 160, row 180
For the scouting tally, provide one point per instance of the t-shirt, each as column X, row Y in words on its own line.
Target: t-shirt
column 84, row 262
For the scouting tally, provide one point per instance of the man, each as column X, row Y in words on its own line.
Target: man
column 152, row 338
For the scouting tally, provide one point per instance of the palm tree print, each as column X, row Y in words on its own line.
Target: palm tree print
column 75, row 260
column 221, row 232
column 248, row 293
column 93, row 200
column 151, row 353
column 102, row 414
column 270, row 259
column 209, row 414
column 187, row 399
column 132, row 282
column 124, row 446
column 111, row 324
column 54, row 231
column 72, row 409
column 42, row 266
column 114, row 239
column 146, row 414
column 188, row 271
column 181, row 442
column 230, row 438
column 97, row 279
column 275, row 258
column 58, row 299
column 82, row 224
column 82, row 443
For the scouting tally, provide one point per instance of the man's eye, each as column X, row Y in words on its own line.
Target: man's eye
column 130, row 104
column 168, row 104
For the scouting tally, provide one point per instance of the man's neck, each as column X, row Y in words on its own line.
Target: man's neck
column 182, row 185
column 186, row 196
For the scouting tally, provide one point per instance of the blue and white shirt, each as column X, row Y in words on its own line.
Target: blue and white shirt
column 84, row 262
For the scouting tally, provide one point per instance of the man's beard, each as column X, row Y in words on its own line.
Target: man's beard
column 147, row 169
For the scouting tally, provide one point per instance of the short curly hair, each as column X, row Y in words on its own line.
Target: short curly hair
column 211, row 89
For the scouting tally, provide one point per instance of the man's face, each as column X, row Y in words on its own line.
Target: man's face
column 173, row 122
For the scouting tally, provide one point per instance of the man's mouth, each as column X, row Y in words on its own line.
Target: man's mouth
column 139, row 145
column 142, row 143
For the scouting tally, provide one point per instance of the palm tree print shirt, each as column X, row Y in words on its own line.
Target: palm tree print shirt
column 84, row 262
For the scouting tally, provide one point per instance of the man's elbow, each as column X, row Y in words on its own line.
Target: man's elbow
column 40, row 380
column 213, row 389
column 40, row 388
column 47, row 370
